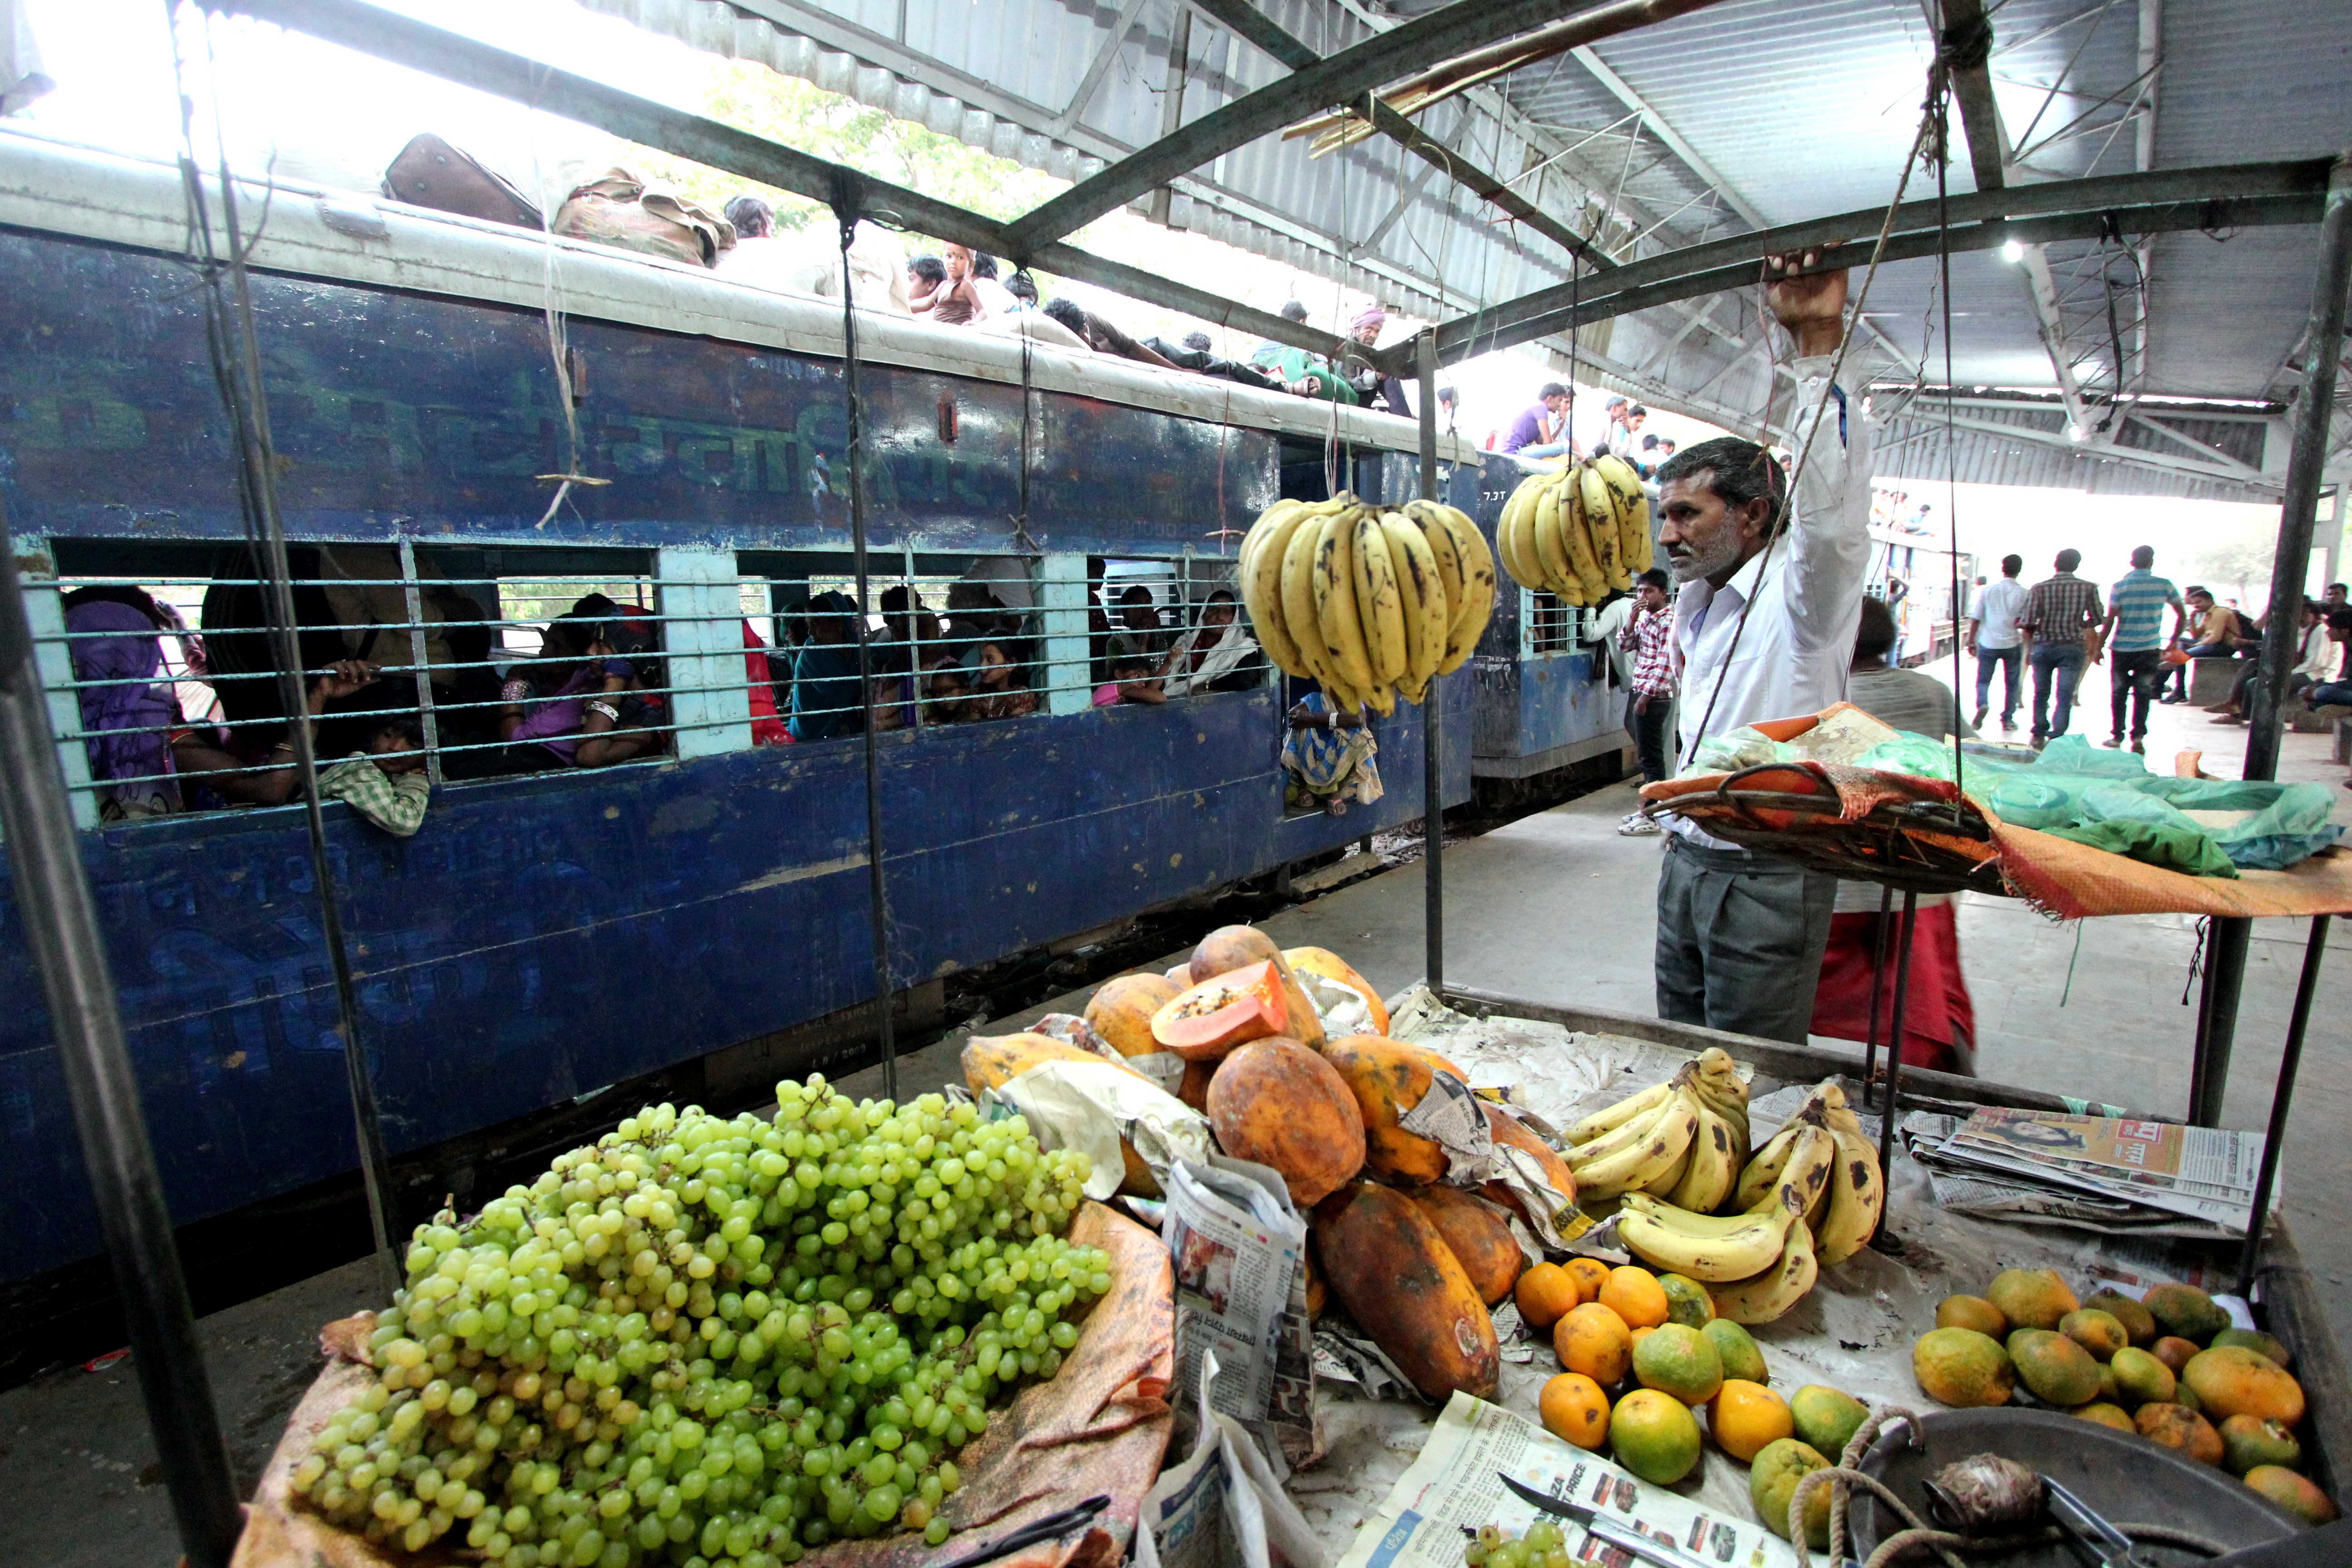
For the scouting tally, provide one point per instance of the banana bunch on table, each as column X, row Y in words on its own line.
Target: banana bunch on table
column 1684, row 1140
column 1371, row 602
column 1810, row 1196
column 1577, row 532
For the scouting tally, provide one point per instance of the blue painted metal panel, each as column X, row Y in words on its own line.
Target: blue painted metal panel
column 544, row 936
column 396, row 413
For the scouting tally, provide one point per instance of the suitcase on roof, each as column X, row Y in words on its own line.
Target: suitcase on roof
column 431, row 173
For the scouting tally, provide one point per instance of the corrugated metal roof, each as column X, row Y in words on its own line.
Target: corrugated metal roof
column 1798, row 107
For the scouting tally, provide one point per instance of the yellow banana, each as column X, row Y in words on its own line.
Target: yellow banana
column 1273, row 517
column 1672, row 1177
column 1422, row 587
column 1641, row 1165
column 1261, row 583
column 1559, row 573
column 1601, row 517
column 1475, row 602
column 1617, row 1115
column 1701, row 1225
column 1662, row 1236
column 1765, row 1296
column 1624, row 484
column 1298, row 614
column 1764, row 1167
column 1576, row 536
column 1857, row 1193
column 1810, row 1165
column 1438, row 536
column 1632, row 505
column 1334, row 602
column 1377, row 602
column 1641, row 550
column 1517, row 536
column 1713, row 1168
column 1622, row 1136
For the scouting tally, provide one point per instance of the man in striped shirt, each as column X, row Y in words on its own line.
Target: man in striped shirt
column 2136, row 642
column 1649, row 637
column 2058, row 611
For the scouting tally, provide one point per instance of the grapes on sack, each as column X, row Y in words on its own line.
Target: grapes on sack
column 732, row 1335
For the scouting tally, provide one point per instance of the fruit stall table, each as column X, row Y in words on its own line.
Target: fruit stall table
column 1855, row 1329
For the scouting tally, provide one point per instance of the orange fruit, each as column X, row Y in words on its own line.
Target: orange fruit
column 1635, row 1295
column 1643, row 1332
column 1574, row 1408
column 1590, row 1274
column 1544, row 1294
column 1744, row 1417
column 1594, row 1340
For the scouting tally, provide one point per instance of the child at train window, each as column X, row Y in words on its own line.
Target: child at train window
column 1131, row 680
column 385, row 784
column 998, row 689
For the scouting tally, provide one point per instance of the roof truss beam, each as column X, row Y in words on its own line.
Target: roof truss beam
column 1333, row 80
column 2165, row 200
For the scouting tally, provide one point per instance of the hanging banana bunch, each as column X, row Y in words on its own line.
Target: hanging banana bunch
column 1372, row 603
column 1578, row 532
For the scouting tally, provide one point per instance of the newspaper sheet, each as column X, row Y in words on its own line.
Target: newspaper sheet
column 1988, row 1194
column 1454, row 1486
column 1240, row 1253
column 2204, row 1173
column 1224, row 1506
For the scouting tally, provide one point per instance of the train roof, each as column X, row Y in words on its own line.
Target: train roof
column 53, row 187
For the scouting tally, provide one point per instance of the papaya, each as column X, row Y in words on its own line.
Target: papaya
column 1121, row 1011
column 1388, row 1078
column 1389, row 1268
column 1507, row 1129
column 1229, row 948
column 1329, row 965
column 1280, row 1104
column 1316, row 1292
column 1479, row 1237
column 993, row 1061
column 1194, row 1089
column 1216, row 1015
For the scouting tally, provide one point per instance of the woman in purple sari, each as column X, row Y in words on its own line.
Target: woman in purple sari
column 126, row 713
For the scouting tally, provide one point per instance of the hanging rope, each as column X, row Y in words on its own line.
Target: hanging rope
column 234, row 345
column 1812, row 434
column 845, row 211
column 1940, row 104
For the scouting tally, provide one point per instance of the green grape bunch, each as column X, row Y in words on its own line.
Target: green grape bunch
column 715, row 1342
column 1545, row 1546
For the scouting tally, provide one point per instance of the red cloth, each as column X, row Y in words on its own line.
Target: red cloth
column 1939, row 1022
column 767, row 730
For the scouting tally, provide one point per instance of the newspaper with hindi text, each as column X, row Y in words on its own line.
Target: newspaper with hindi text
column 2130, row 1168
column 1454, row 1489
column 1240, row 1252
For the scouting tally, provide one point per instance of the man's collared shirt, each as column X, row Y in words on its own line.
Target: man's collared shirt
column 2060, row 607
column 1998, row 610
column 1801, row 599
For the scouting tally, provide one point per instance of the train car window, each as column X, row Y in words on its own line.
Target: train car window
column 1553, row 624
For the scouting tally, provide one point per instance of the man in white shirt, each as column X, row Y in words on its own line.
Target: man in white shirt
column 1997, row 641
column 1764, row 628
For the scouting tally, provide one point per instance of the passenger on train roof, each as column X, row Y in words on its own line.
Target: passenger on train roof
column 1101, row 335
column 957, row 303
column 926, row 276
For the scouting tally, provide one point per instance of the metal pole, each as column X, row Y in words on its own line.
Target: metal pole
column 2282, row 1097
column 1887, row 1112
column 1432, row 760
column 845, row 213
column 1877, row 985
column 2323, row 345
column 53, row 898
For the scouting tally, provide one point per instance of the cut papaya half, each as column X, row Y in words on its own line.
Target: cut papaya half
column 1222, row 1012
column 1323, row 963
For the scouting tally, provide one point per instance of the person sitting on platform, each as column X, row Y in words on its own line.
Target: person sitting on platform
column 2315, row 663
column 1215, row 656
column 1938, row 1015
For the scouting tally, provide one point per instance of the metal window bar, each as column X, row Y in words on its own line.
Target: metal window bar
column 1553, row 624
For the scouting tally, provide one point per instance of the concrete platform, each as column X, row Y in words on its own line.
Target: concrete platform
column 1556, row 908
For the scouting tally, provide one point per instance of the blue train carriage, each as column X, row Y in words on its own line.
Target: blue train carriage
column 549, row 932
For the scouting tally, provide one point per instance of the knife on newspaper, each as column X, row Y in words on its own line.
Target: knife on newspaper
column 1602, row 1528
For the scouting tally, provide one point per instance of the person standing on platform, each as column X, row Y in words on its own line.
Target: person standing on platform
column 1997, row 642
column 1764, row 628
column 1649, row 637
column 2061, row 611
column 1939, row 1019
column 2135, row 607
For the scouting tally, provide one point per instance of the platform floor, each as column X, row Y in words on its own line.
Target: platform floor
column 1555, row 907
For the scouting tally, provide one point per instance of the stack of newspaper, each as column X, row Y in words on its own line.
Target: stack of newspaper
column 2112, row 1174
